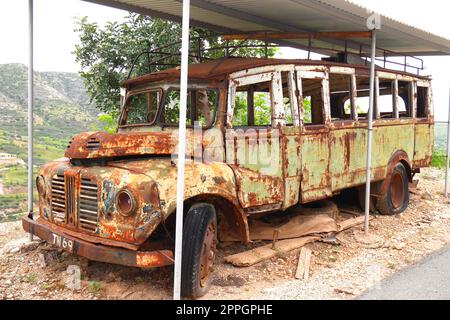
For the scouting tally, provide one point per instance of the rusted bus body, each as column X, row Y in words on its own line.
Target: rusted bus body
column 320, row 160
column 302, row 155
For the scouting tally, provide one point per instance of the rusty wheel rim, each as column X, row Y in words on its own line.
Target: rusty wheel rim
column 208, row 254
column 397, row 190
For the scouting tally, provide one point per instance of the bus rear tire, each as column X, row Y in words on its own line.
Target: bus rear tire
column 396, row 199
column 199, row 250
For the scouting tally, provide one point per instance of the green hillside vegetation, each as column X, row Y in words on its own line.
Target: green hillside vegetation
column 62, row 109
column 440, row 136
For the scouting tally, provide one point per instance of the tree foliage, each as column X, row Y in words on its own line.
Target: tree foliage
column 106, row 54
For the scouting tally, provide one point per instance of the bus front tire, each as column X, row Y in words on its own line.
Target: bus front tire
column 199, row 250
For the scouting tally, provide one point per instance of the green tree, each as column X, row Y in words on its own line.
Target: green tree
column 106, row 54
column 107, row 123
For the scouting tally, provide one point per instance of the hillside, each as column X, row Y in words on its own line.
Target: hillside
column 62, row 109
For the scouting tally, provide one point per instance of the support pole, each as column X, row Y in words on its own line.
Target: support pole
column 30, row 111
column 370, row 131
column 181, row 150
column 448, row 151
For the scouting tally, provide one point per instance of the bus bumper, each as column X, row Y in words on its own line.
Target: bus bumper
column 97, row 252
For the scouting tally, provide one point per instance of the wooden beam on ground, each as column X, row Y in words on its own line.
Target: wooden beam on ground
column 304, row 262
column 254, row 256
column 350, row 223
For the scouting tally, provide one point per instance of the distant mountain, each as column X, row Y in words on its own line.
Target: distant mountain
column 62, row 109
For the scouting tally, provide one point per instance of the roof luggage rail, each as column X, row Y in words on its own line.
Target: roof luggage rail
column 169, row 56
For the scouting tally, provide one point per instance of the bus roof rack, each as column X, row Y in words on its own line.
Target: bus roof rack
column 168, row 56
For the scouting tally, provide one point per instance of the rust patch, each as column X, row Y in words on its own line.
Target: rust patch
column 219, row 180
column 154, row 259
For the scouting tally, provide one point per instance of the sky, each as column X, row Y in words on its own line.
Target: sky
column 55, row 38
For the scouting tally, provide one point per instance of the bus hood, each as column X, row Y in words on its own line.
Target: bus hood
column 95, row 145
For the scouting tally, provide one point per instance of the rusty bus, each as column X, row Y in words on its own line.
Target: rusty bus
column 277, row 134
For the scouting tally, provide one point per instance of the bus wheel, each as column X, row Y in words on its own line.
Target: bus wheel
column 396, row 199
column 199, row 250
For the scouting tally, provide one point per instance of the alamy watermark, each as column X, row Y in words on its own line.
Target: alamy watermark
column 373, row 22
column 73, row 277
column 247, row 147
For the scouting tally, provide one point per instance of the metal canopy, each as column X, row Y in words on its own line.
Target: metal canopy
column 231, row 16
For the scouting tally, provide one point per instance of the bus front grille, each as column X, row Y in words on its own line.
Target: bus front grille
column 75, row 202
column 58, row 199
column 88, row 213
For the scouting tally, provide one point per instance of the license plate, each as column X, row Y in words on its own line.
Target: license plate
column 63, row 243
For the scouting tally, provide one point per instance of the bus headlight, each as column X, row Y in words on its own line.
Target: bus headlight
column 125, row 203
column 40, row 185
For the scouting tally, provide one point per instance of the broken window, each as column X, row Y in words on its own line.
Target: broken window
column 422, row 102
column 141, row 108
column 340, row 97
column 201, row 107
column 253, row 105
column 386, row 101
column 313, row 104
column 290, row 107
column 362, row 100
column 405, row 94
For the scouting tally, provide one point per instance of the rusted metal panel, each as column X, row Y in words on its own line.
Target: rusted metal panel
column 395, row 98
column 353, row 97
column 278, row 109
column 316, row 180
column 291, row 149
column 120, row 144
column 102, row 253
column 424, row 134
column 255, row 157
column 342, row 70
column 348, row 147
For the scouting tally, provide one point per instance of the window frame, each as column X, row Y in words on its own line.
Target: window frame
column 305, row 73
column 293, row 93
column 352, row 98
column 276, row 97
column 412, row 89
column 394, row 94
column 190, row 88
column 134, row 93
column 428, row 100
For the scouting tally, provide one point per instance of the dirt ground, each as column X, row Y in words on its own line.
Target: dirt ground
column 38, row 271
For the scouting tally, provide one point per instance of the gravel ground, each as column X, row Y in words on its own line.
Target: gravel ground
column 38, row 271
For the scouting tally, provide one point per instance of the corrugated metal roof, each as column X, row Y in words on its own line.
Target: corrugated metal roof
column 294, row 16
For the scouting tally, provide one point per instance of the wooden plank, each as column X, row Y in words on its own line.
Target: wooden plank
column 350, row 223
column 304, row 262
column 254, row 256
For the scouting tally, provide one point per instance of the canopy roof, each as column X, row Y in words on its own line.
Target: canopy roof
column 237, row 16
